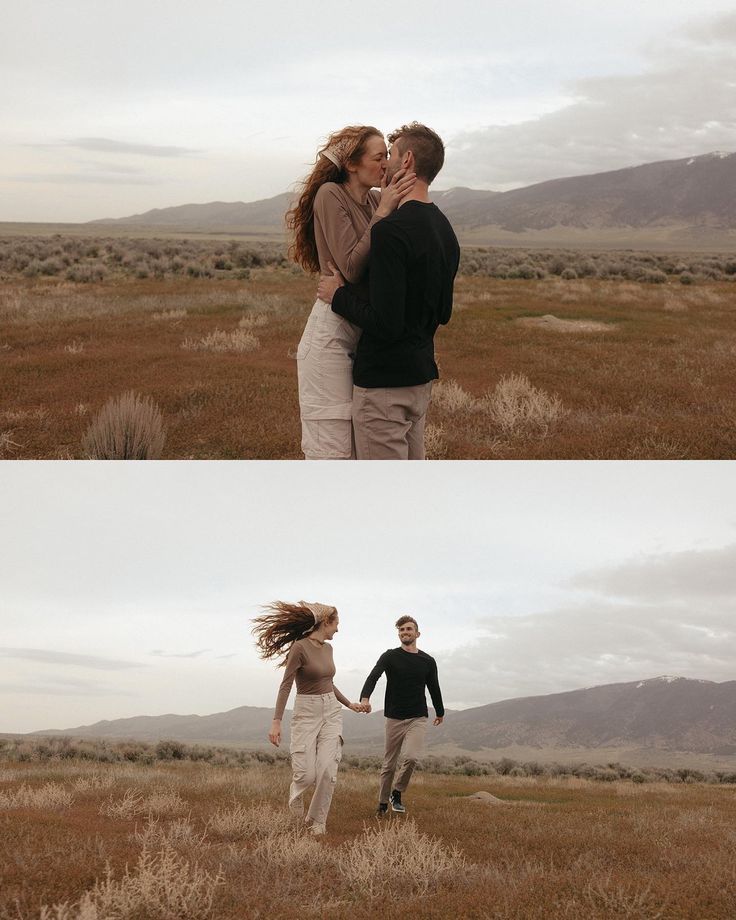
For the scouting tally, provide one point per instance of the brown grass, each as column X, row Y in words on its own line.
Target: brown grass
column 658, row 384
column 568, row 848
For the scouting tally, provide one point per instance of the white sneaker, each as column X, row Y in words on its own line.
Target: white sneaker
column 317, row 830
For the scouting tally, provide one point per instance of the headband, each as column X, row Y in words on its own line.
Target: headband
column 329, row 153
column 336, row 153
column 320, row 612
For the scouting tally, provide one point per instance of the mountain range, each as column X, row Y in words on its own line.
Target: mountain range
column 677, row 202
column 661, row 715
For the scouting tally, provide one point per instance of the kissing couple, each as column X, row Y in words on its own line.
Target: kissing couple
column 388, row 259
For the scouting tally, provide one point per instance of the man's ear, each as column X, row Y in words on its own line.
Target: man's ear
column 407, row 161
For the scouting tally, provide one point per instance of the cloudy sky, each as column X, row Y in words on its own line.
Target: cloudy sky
column 127, row 589
column 118, row 107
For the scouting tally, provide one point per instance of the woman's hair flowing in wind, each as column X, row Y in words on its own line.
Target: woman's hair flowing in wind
column 349, row 143
column 281, row 624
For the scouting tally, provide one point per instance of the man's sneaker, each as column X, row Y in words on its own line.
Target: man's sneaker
column 382, row 809
column 395, row 800
column 317, row 830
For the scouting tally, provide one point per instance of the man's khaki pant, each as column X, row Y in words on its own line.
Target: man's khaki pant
column 316, row 751
column 389, row 422
column 405, row 737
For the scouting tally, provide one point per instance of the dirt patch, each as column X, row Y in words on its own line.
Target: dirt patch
column 485, row 798
column 548, row 321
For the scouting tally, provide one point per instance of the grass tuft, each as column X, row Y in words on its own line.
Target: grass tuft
column 162, row 885
column 516, row 405
column 128, row 427
column 397, row 857
column 240, row 340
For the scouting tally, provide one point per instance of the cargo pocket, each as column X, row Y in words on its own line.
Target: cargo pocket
column 298, row 762
column 338, row 758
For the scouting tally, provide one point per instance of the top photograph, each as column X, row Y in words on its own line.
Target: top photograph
column 394, row 234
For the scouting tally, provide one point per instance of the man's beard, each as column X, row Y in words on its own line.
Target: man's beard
column 406, row 641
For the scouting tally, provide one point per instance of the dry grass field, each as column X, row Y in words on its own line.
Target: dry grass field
column 535, row 364
column 83, row 840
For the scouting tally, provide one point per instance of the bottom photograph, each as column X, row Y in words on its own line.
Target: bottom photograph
column 483, row 690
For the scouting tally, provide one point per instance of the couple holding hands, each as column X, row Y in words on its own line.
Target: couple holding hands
column 301, row 633
column 387, row 257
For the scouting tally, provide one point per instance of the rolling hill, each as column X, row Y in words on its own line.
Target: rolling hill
column 665, row 714
column 689, row 200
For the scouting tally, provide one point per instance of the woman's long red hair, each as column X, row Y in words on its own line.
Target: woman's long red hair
column 279, row 627
column 351, row 141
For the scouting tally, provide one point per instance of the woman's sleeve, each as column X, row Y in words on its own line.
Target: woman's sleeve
column 350, row 254
column 342, row 699
column 293, row 663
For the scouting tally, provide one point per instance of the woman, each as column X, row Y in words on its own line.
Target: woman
column 303, row 631
column 332, row 222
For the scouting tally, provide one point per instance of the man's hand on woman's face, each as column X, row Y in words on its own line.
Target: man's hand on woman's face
column 394, row 191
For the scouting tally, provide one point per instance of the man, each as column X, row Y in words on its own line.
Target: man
column 408, row 671
column 413, row 263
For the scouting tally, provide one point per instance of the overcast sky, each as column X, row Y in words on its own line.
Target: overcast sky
column 128, row 589
column 114, row 108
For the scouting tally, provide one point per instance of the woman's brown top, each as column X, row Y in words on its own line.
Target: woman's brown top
column 310, row 662
column 342, row 230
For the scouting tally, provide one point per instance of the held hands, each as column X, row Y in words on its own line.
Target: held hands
column 274, row 736
column 328, row 284
column 360, row 707
column 392, row 192
column 438, row 720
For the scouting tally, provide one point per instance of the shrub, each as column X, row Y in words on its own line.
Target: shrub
column 569, row 274
column 687, row 278
column 399, row 858
column 451, row 397
column 505, row 765
column 128, row 427
column 134, row 803
column 49, row 796
column 51, row 267
column 162, row 885
column 170, row 750
column 85, row 274
column 240, row 821
column 516, row 404
column 655, row 276
column 291, row 852
column 525, row 270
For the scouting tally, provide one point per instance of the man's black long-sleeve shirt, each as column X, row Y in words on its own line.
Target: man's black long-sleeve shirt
column 414, row 259
column 407, row 674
